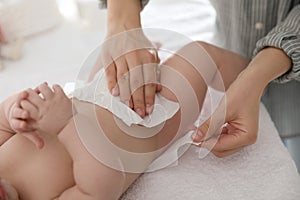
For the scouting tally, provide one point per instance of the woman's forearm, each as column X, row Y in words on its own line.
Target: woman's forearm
column 266, row 66
column 123, row 15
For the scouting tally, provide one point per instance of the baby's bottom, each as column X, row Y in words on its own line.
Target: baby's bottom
column 95, row 177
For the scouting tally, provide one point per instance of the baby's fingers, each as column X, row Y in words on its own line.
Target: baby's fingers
column 35, row 138
column 31, row 109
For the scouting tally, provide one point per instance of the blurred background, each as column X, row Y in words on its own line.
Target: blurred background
column 48, row 40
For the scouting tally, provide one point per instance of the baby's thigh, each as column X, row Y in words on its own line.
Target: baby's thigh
column 91, row 175
column 99, row 179
column 114, row 153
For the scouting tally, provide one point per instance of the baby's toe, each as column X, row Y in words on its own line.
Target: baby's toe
column 35, row 99
column 57, row 89
column 46, row 91
column 20, row 113
column 33, row 111
column 18, row 125
column 22, row 95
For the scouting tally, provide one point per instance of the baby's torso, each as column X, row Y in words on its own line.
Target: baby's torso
column 36, row 174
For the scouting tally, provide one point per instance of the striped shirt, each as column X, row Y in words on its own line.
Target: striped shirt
column 248, row 26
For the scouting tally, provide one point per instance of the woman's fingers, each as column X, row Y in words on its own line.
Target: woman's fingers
column 211, row 127
column 136, row 84
column 222, row 154
column 150, row 79
column 218, row 148
column 123, row 80
column 133, row 77
column 111, row 77
column 227, row 141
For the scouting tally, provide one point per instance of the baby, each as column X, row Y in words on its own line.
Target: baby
column 61, row 168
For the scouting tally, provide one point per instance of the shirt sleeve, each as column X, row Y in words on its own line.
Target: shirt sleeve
column 286, row 36
column 103, row 3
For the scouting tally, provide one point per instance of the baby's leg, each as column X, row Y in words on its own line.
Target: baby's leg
column 94, row 179
column 5, row 130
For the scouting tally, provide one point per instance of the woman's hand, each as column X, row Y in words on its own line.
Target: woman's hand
column 242, row 105
column 241, row 101
column 131, row 75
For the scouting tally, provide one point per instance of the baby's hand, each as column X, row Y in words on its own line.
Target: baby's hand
column 19, row 120
column 51, row 112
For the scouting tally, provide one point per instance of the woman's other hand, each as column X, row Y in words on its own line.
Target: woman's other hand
column 242, row 105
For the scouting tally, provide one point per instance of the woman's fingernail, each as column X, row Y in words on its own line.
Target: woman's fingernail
column 191, row 128
column 127, row 103
column 197, row 135
column 115, row 91
column 149, row 109
column 194, row 136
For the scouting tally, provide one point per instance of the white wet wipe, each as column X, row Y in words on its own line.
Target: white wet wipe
column 170, row 157
column 96, row 92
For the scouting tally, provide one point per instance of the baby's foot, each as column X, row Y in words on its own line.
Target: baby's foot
column 17, row 116
column 51, row 110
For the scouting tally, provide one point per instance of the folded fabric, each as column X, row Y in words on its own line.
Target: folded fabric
column 96, row 92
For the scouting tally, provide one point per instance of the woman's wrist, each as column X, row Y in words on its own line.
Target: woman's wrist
column 266, row 66
column 250, row 82
column 123, row 15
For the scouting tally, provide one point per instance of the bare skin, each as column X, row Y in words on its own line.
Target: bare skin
column 62, row 168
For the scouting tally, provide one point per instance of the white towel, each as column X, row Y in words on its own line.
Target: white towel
column 264, row 170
